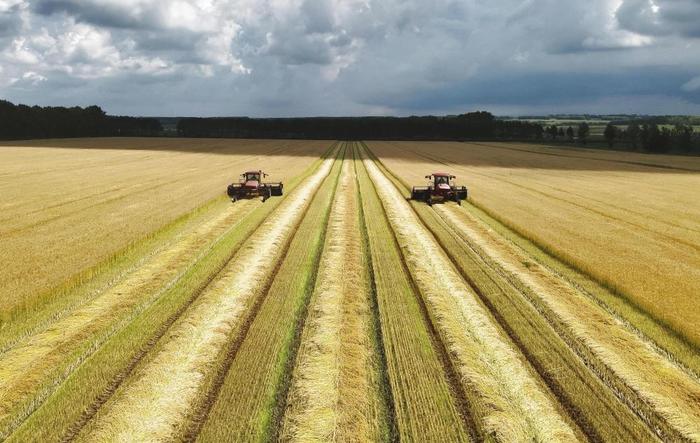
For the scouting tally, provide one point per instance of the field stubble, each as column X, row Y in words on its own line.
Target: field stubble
column 155, row 402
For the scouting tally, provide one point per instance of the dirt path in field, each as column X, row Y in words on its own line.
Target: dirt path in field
column 32, row 363
column 152, row 404
column 510, row 403
column 663, row 388
column 332, row 397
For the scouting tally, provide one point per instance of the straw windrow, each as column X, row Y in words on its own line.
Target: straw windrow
column 513, row 406
column 331, row 396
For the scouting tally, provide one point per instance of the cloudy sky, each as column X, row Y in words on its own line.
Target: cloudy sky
column 353, row 57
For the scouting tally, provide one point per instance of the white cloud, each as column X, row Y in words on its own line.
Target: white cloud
column 286, row 57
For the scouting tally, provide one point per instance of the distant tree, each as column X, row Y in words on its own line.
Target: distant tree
column 683, row 137
column 561, row 132
column 552, row 132
column 656, row 140
column 633, row 132
column 583, row 131
column 570, row 133
column 610, row 134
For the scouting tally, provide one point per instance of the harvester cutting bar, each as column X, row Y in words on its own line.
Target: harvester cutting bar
column 250, row 186
column 440, row 189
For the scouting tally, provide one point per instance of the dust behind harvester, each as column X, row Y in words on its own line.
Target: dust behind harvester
column 251, row 185
column 440, row 189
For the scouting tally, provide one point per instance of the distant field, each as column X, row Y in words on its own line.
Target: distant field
column 557, row 303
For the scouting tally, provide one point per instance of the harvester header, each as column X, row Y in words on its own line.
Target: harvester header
column 250, row 185
column 441, row 188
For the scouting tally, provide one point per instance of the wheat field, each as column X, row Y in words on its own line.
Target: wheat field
column 557, row 303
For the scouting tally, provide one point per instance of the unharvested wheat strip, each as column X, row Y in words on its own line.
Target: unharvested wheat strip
column 512, row 404
column 152, row 404
column 24, row 366
column 671, row 391
column 331, row 394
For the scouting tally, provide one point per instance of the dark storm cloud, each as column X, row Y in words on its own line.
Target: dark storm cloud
column 661, row 17
column 542, row 88
column 335, row 57
column 99, row 14
column 10, row 25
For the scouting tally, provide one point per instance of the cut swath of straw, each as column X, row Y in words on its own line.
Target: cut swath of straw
column 513, row 406
column 330, row 398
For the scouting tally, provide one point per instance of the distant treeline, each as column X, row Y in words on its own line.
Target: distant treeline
column 687, row 120
column 651, row 137
column 481, row 125
column 647, row 136
column 21, row 122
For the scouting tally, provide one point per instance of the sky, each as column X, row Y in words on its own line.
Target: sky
column 280, row 58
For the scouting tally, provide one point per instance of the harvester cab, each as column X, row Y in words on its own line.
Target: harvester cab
column 251, row 185
column 441, row 187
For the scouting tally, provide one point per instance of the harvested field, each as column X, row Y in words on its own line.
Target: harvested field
column 151, row 406
column 509, row 403
column 549, row 306
column 645, row 218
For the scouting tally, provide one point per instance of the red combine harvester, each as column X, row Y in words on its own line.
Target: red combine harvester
column 250, row 185
column 440, row 189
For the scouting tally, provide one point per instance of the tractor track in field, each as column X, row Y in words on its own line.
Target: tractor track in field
column 555, row 386
column 200, row 417
column 628, row 300
column 386, row 391
column 247, row 208
column 439, row 345
column 462, row 404
column 317, row 177
column 634, row 400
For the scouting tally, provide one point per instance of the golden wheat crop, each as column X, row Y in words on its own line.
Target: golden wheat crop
column 66, row 205
column 632, row 227
column 512, row 404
